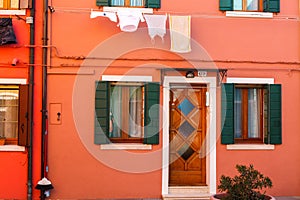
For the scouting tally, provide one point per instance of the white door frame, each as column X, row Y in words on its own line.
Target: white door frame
column 210, row 131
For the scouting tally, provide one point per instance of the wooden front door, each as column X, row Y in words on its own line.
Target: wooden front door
column 187, row 135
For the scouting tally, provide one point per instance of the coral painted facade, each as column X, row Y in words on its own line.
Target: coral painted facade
column 130, row 116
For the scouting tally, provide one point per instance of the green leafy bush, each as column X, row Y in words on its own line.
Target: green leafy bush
column 245, row 186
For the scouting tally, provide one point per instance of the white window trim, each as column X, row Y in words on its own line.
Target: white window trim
column 126, row 146
column 123, row 146
column 250, row 80
column 11, row 148
column 116, row 9
column 13, row 12
column 249, row 14
column 127, row 78
column 21, row 81
column 250, row 146
column 12, row 81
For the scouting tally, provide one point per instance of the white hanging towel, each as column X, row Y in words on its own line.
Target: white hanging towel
column 129, row 20
column 180, row 33
column 156, row 25
column 111, row 15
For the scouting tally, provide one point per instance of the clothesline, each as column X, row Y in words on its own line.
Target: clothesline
column 180, row 26
column 158, row 12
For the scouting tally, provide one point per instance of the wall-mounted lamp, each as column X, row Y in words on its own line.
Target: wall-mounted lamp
column 189, row 74
column 14, row 62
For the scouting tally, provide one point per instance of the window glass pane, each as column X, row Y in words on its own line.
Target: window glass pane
column 126, row 111
column 135, row 112
column 9, row 113
column 253, row 113
column 238, row 113
column 115, row 112
column 238, row 5
column 117, row 2
column 252, row 4
column 136, row 3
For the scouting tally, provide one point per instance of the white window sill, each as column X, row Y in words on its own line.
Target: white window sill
column 250, row 147
column 249, row 14
column 116, row 9
column 13, row 12
column 11, row 148
column 123, row 146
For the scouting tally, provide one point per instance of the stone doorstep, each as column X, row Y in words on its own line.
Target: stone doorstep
column 187, row 193
column 186, row 196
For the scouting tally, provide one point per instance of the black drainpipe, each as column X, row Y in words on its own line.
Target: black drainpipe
column 31, row 98
column 44, row 95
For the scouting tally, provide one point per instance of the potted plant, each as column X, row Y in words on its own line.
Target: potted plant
column 2, row 140
column 248, row 185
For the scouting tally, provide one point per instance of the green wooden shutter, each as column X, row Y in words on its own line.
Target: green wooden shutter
column 23, row 123
column 101, row 112
column 102, row 2
column 272, row 6
column 226, row 5
column 275, row 130
column 151, row 127
column 227, row 106
column 153, row 3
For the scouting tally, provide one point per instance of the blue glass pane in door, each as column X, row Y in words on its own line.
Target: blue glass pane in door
column 186, row 107
column 186, row 129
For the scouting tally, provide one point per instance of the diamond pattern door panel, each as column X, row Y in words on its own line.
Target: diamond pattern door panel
column 187, row 134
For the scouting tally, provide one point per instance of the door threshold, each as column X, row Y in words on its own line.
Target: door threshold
column 188, row 190
column 205, row 196
column 187, row 193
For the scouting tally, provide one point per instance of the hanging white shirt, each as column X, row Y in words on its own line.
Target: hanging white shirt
column 129, row 20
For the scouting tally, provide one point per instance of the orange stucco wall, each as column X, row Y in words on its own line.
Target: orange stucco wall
column 14, row 165
column 78, row 169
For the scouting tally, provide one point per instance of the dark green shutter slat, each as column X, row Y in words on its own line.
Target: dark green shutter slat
column 101, row 112
column 153, row 3
column 102, row 2
column 272, row 6
column 227, row 106
column 226, row 5
column 151, row 129
column 275, row 121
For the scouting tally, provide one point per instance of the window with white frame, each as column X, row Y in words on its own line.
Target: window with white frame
column 14, row 4
column 251, row 113
column 250, row 5
column 126, row 112
column 14, row 114
column 130, row 3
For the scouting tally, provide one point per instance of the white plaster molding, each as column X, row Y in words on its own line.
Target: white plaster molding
column 13, row 12
column 127, row 78
column 22, row 81
column 249, row 14
column 250, row 80
column 116, row 9
column 250, row 147
column 11, row 148
column 130, row 146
